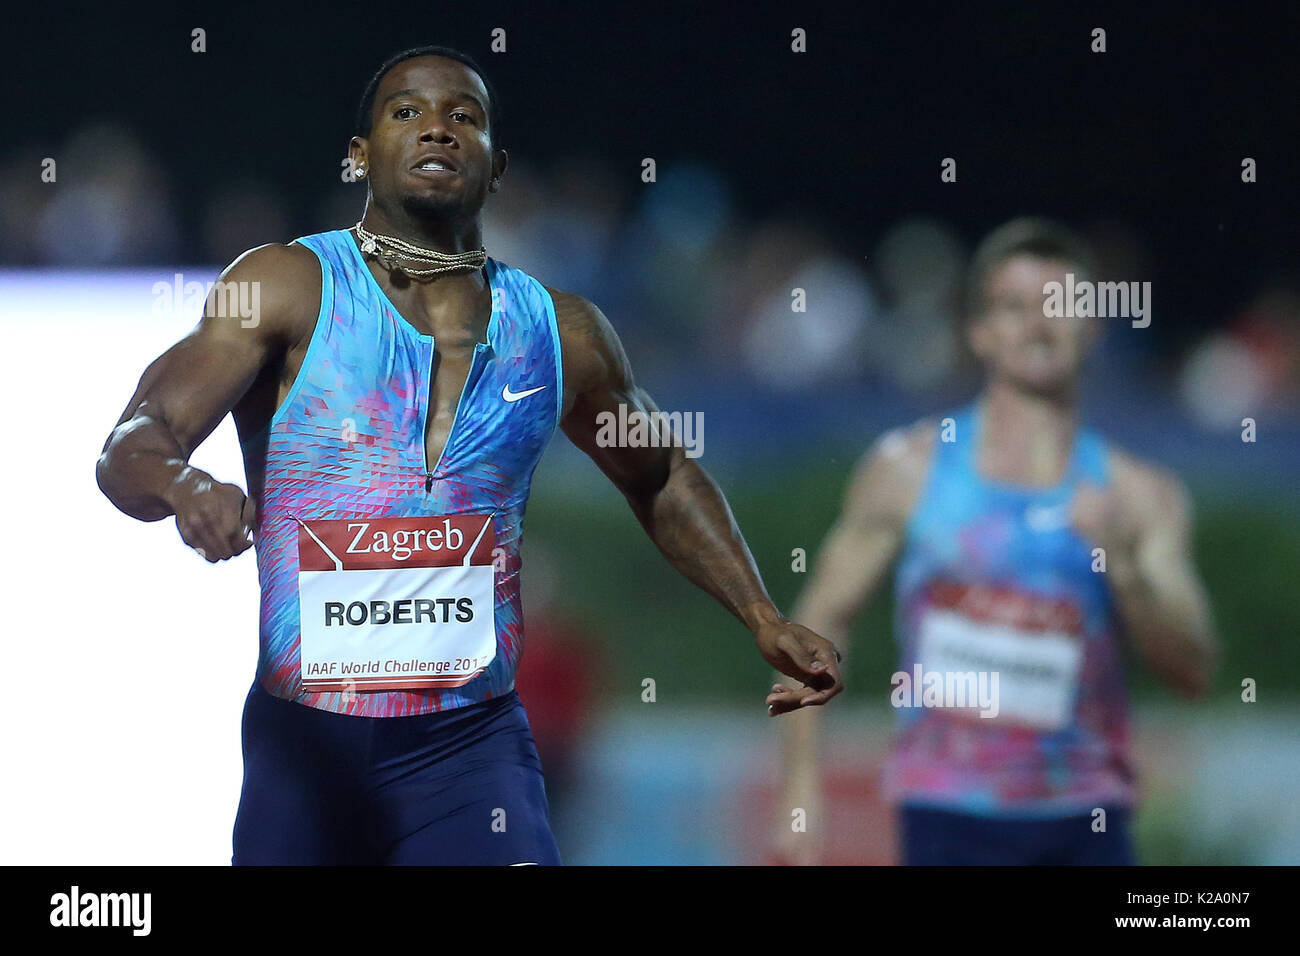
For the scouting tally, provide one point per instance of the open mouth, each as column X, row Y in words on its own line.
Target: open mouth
column 434, row 165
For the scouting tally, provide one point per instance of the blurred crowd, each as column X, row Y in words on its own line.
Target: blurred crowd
column 690, row 280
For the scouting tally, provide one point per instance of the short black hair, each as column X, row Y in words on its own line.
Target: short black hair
column 1026, row 236
column 364, row 118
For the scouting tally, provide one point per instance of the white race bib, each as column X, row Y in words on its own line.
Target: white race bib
column 1037, row 671
column 396, row 603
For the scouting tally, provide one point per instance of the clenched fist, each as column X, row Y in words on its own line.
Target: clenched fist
column 1104, row 518
column 214, row 518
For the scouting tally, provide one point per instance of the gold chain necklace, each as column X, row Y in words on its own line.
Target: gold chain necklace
column 388, row 248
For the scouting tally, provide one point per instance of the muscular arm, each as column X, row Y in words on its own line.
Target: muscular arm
column 866, row 537
column 184, row 394
column 861, row 545
column 1156, row 588
column 674, row 499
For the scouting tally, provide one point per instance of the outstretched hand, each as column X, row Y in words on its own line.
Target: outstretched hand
column 799, row 653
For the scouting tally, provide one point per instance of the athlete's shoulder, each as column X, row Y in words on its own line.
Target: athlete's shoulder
column 279, row 262
column 890, row 473
column 287, row 279
column 284, row 272
column 576, row 315
column 904, row 451
column 593, row 355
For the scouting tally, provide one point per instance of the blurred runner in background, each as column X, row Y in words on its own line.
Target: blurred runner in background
column 1028, row 550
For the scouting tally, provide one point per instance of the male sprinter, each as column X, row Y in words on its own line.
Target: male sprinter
column 997, row 509
column 392, row 400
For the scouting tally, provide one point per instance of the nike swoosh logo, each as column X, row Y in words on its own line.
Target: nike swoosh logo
column 510, row 396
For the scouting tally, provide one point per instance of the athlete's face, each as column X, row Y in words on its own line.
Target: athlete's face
column 430, row 111
column 1014, row 337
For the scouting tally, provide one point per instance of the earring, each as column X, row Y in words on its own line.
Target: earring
column 361, row 172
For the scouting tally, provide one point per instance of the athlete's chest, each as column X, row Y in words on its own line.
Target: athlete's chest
column 457, row 356
column 994, row 534
column 451, row 399
column 445, row 357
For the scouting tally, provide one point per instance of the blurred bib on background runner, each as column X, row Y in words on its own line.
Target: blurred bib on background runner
column 396, row 603
column 1033, row 644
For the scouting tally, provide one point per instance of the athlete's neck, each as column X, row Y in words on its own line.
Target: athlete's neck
column 1026, row 437
column 440, row 233
column 457, row 293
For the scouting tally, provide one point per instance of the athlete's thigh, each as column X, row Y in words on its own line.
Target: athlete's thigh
column 1111, row 847
column 933, row 837
column 298, row 804
column 491, row 815
column 463, row 792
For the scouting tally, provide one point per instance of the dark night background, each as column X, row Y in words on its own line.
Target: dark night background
column 849, row 134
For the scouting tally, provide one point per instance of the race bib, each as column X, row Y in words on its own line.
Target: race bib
column 396, row 603
column 1032, row 645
